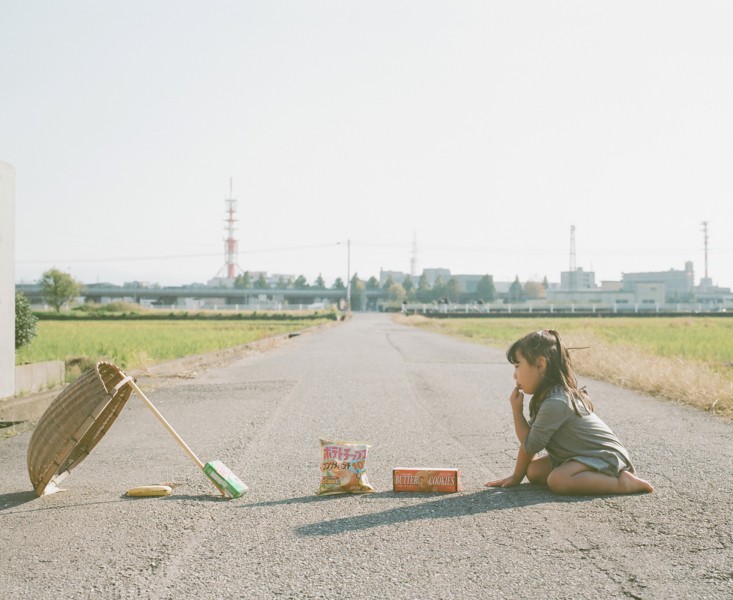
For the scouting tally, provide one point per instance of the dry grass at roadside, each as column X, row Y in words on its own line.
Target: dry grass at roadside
column 685, row 381
column 692, row 382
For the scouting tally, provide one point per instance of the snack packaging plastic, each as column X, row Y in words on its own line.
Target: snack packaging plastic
column 343, row 468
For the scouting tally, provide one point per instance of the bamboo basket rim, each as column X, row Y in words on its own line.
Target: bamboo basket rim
column 74, row 423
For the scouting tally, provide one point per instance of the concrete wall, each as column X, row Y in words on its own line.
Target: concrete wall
column 38, row 377
column 7, row 280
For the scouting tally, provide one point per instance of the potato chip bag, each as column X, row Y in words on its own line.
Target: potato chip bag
column 343, row 468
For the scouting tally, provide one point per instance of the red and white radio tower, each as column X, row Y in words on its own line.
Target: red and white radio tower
column 230, row 243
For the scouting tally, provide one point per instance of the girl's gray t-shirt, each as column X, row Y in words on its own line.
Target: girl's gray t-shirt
column 566, row 436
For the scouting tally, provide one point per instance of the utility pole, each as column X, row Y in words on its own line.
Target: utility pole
column 413, row 258
column 705, row 237
column 348, row 275
column 573, row 268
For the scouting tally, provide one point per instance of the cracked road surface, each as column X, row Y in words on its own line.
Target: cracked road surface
column 419, row 399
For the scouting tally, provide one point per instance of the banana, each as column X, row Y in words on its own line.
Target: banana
column 150, row 490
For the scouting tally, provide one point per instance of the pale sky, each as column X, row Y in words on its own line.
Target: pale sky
column 484, row 129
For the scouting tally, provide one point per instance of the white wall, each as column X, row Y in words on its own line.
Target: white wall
column 7, row 280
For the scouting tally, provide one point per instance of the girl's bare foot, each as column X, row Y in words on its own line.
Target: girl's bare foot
column 631, row 484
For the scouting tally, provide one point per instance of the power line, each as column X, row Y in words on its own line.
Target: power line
column 110, row 259
column 168, row 256
column 424, row 248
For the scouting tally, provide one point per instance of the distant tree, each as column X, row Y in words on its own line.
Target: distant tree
column 515, row 291
column 440, row 288
column 396, row 292
column 243, row 281
column 319, row 284
column 372, row 283
column 424, row 291
column 261, row 283
column 485, row 290
column 534, row 290
column 25, row 321
column 545, row 283
column 388, row 283
column 339, row 284
column 409, row 286
column 301, row 283
column 281, row 284
column 59, row 287
column 453, row 289
column 358, row 293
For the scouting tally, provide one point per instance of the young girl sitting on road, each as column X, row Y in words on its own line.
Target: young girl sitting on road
column 583, row 454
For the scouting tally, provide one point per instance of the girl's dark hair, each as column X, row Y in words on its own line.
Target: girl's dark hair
column 547, row 343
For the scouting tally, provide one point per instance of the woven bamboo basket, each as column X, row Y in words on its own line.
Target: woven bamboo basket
column 74, row 423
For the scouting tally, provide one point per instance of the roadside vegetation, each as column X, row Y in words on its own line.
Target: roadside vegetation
column 684, row 359
column 25, row 321
column 132, row 337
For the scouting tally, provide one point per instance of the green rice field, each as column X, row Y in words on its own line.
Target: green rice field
column 135, row 343
column 684, row 359
column 708, row 340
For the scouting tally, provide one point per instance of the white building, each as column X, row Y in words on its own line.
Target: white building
column 578, row 280
column 7, row 280
column 679, row 284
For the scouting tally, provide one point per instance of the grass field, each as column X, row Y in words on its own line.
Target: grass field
column 688, row 360
column 133, row 344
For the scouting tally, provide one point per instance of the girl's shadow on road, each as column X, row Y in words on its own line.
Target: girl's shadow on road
column 444, row 507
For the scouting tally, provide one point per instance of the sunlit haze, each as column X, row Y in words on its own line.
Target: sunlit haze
column 481, row 130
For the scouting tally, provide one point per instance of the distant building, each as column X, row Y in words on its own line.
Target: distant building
column 712, row 294
column 469, row 283
column 502, row 289
column 280, row 279
column 430, row 274
column 579, row 287
column 220, row 282
column 577, row 280
column 612, row 286
column 273, row 281
column 576, row 286
column 643, row 293
column 139, row 285
column 679, row 285
column 433, row 274
column 654, row 287
column 397, row 277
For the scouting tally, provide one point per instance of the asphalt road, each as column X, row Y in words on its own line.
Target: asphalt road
column 419, row 399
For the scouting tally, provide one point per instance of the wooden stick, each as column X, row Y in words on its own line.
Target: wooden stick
column 172, row 431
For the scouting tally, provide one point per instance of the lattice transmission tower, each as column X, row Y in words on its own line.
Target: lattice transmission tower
column 231, row 245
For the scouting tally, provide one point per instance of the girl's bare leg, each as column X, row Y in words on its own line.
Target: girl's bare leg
column 538, row 470
column 576, row 478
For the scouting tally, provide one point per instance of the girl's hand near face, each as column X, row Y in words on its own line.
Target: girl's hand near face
column 516, row 399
